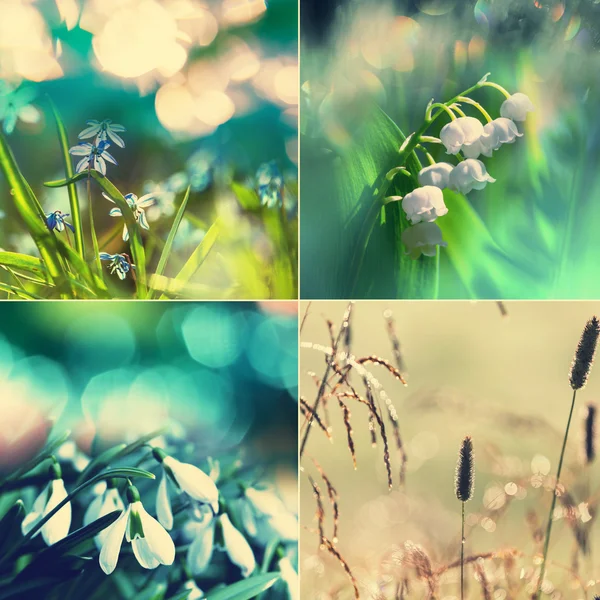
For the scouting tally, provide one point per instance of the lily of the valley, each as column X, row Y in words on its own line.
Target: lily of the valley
column 151, row 544
column 436, row 175
column 516, row 107
column 424, row 204
column 461, row 134
column 57, row 527
column 106, row 502
column 188, row 479
column 137, row 206
column 497, row 132
column 423, row 238
column 468, row 175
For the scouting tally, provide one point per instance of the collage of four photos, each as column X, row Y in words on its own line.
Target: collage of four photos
column 299, row 299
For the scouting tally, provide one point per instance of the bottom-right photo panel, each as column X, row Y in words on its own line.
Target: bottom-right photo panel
column 448, row 450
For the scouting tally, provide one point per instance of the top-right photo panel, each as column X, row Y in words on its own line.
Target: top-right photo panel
column 450, row 149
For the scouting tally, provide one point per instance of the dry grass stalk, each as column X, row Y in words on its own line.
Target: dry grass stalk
column 333, row 499
column 307, row 411
column 377, row 360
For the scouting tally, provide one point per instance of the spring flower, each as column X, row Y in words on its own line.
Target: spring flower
column 103, row 130
column 195, row 593
column 290, row 577
column 56, row 220
column 461, row 134
column 237, row 547
column 422, row 238
column 516, row 107
column 270, row 183
column 263, row 512
column 201, row 549
column 152, row 545
column 499, row 131
column 119, row 263
column 57, row 527
column 189, row 479
column 15, row 105
column 137, row 206
column 104, row 503
column 95, row 156
column 469, row 175
column 69, row 452
column 424, row 204
column 436, row 175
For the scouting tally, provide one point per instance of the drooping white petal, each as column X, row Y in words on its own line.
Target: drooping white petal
column 285, row 525
column 436, row 175
column 201, row 549
column 289, row 575
column 110, row 501
column 144, row 554
column 117, row 139
column 109, row 555
column 159, row 541
column 90, row 131
column 92, row 512
column 36, row 513
column 142, row 219
column 57, row 527
column 195, row 593
column 125, row 238
column 516, row 107
column 109, row 157
column 163, row 504
column 83, row 149
column 422, row 238
column 99, row 164
column 115, row 212
column 82, row 165
column 194, row 482
column 237, row 547
column 424, row 204
column 248, row 519
column 108, row 197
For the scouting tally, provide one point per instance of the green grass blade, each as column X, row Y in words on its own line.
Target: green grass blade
column 30, row 210
column 199, row 255
column 72, row 188
column 24, row 262
column 164, row 257
column 247, row 198
column 95, row 246
column 245, row 590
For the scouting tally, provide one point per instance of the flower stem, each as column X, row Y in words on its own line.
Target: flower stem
column 96, row 258
column 497, row 87
column 553, row 503
column 478, row 106
column 462, row 554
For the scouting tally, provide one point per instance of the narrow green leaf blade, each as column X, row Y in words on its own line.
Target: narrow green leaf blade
column 247, row 198
column 245, row 590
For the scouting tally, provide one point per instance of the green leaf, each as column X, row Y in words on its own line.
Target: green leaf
column 18, row 291
column 10, row 525
column 164, row 257
column 72, row 188
column 23, row 262
column 270, row 550
column 195, row 261
column 33, row 216
column 245, row 590
column 351, row 246
column 247, row 198
column 181, row 595
column 100, row 462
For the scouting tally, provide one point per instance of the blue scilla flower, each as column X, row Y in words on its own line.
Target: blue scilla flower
column 137, row 206
column 269, row 181
column 15, row 104
column 119, row 263
column 56, row 220
column 103, row 130
column 95, row 157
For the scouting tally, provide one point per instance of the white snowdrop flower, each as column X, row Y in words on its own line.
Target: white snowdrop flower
column 195, row 593
column 290, row 577
column 499, row 131
column 189, row 479
column 469, row 175
column 461, row 133
column 263, row 509
column 152, row 545
column 202, row 547
column 57, row 527
column 69, row 452
column 436, row 175
column 516, row 107
column 424, row 204
column 237, row 547
column 423, row 238
column 104, row 503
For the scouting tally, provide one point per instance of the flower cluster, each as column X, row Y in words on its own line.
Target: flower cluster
column 467, row 138
column 269, row 182
column 95, row 155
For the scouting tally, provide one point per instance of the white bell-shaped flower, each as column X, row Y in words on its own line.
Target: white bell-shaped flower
column 264, row 515
column 151, row 544
column 423, row 238
column 290, row 577
column 189, row 479
column 499, row 131
column 202, row 547
column 237, row 547
column 436, row 175
column 468, row 175
column 104, row 503
column 424, row 204
column 461, row 133
column 516, row 107
column 57, row 527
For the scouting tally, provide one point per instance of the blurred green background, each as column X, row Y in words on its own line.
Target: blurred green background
column 207, row 92
column 470, row 371
column 222, row 375
column 543, row 211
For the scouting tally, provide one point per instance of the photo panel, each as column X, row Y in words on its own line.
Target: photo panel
column 148, row 451
column 130, row 164
column 449, row 450
column 448, row 149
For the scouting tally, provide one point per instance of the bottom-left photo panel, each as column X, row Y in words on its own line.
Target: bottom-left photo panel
column 148, row 451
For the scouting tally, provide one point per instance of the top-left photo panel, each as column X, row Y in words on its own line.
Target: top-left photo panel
column 148, row 149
